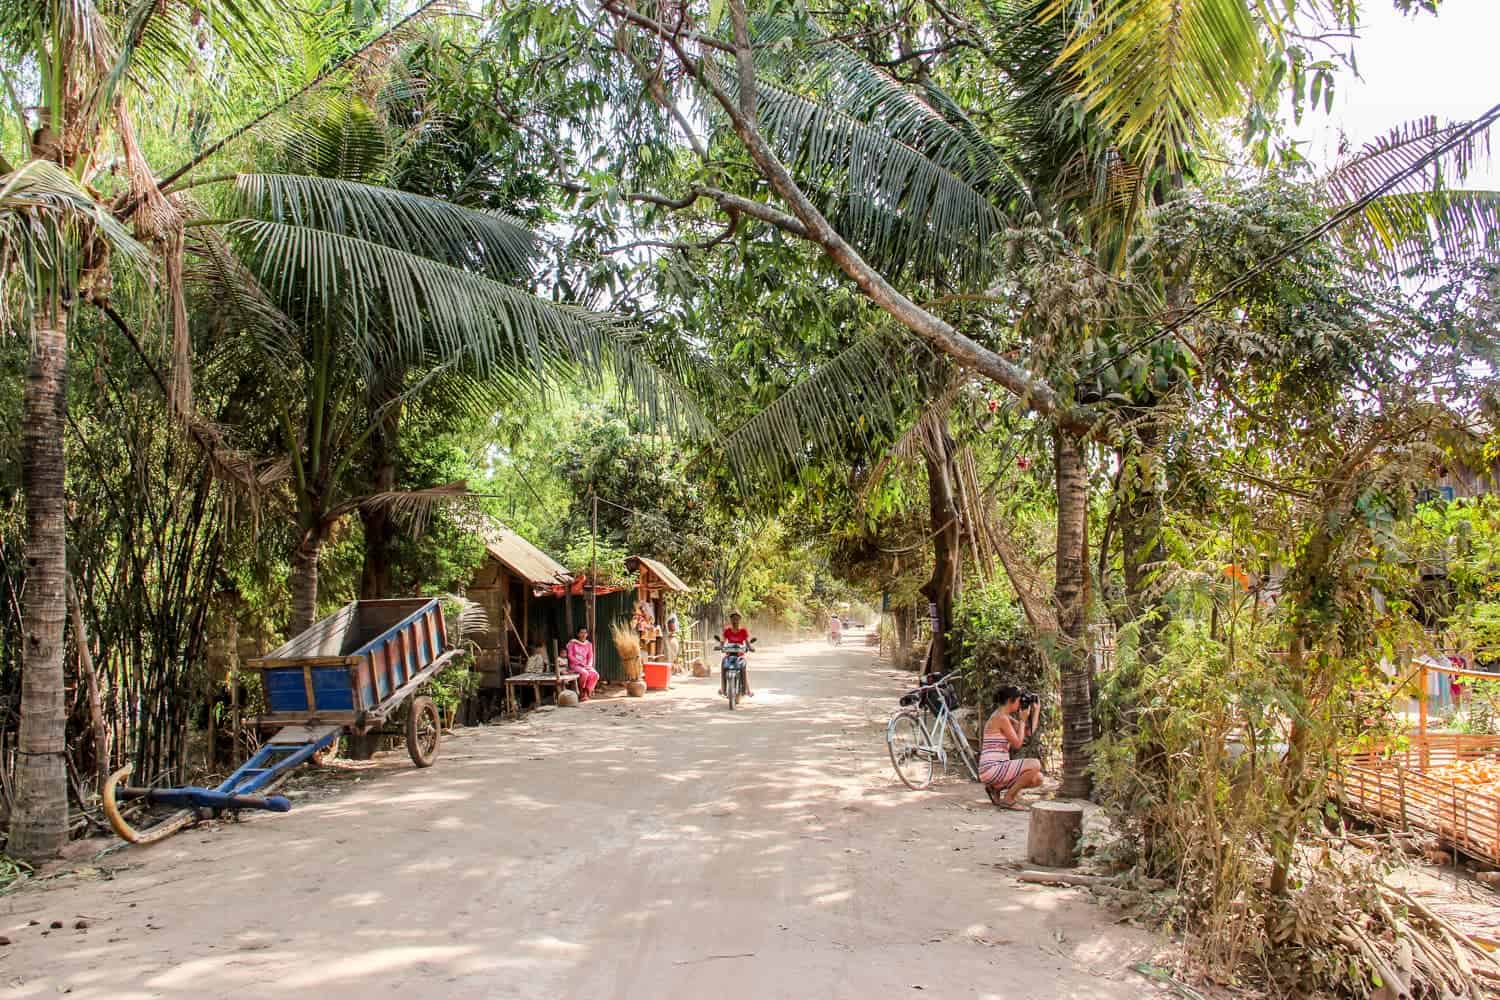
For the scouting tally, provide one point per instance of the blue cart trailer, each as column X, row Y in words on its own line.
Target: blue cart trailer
column 355, row 674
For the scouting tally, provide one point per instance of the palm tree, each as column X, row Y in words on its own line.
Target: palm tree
column 1103, row 106
column 62, row 238
column 329, row 279
column 359, row 298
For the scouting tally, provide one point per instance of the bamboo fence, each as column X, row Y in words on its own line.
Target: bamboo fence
column 1395, row 787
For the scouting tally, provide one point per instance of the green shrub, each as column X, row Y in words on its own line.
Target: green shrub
column 992, row 647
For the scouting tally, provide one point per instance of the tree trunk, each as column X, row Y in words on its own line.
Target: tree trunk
column 1284, row 842
column 380, row 532
column 947, row 541
column 39, row 824
column 1072, row 646
column 1141, row 547
column 1140, row 514
column 901, row 617
column 305, row 581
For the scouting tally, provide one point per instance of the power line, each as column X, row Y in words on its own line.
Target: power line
column 1462, row 134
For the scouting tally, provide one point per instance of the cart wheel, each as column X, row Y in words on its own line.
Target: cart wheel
column 424, row 732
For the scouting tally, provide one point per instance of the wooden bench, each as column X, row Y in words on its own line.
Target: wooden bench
column 537, row 681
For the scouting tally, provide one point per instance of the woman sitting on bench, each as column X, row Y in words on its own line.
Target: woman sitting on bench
column 581, row 662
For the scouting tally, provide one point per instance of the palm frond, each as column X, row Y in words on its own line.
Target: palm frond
column 801, row 57
column 1413, row 229
column 214, row 267
column 910, row 445
column 1161, row 73
column 1422, row 215
column 46, row 222
column 472, row 621
column 862, row 395
column 159, row 41
column 405, row 306
column 901, row 208
column 915, row 187
column 414, row 507
column 476, row 240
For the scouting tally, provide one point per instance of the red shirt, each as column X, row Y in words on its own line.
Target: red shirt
column 740, row 635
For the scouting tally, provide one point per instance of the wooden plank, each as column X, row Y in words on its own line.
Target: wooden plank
column 307, row 686
column 282, row 719
column 392, row 703
column 264, row 662
column 301, row 734
column 401, row 625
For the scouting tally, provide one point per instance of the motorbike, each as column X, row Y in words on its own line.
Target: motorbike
column 733, row 667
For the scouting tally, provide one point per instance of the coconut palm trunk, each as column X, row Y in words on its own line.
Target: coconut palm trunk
column 39, row 820
column 1069, row 593
column 380, row 531
column 304, row 581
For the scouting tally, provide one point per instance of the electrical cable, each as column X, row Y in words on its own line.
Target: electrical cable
column 1461, row 134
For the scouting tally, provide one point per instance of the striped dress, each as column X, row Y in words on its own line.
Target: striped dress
column 996, row 769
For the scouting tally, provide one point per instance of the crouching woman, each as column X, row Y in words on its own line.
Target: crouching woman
column 1005, row 777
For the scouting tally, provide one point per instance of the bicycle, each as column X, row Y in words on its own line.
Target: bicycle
column 918, row 734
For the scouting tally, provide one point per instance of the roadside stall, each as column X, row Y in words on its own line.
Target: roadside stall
column 519, row 586
column 654, row 589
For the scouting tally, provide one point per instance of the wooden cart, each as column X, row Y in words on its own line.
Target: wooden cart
column 353, row 673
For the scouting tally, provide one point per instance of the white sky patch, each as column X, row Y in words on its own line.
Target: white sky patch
column 1446, row 65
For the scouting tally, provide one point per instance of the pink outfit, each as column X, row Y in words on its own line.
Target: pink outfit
column 581, row 662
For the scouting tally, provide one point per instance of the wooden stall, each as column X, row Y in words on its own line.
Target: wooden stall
column 1410, row 788
column 655, row 584
column 513, row 585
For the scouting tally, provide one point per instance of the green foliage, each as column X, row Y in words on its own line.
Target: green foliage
column 993, row 647
column 459, row 682
column 583, row 553
column 648, row 504
column 1460, row 541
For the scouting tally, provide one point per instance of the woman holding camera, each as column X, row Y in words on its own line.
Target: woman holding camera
column 1004, row 778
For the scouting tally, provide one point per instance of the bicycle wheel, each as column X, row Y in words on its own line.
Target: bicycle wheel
column 965, row 748
column 910, row 755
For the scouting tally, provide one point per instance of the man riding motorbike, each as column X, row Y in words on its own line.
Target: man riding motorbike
column 735, row 633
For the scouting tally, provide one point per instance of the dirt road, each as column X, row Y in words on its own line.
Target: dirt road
column 651, row 848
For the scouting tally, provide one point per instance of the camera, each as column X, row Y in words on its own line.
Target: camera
column 1028, row 699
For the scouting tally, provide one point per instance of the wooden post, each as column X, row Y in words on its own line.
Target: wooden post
column 594, row 572
column 525, row 619
column 234, row 686
column 1422, row 675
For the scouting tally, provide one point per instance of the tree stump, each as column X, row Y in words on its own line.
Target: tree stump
column 1052, row 840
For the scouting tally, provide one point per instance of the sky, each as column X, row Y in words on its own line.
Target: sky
column 1446, row 65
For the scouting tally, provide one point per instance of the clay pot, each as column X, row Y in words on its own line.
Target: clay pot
column 567, row 699
column 700, row 669
column 636, row 688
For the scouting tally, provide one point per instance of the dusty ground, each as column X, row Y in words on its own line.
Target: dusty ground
column 661, row 847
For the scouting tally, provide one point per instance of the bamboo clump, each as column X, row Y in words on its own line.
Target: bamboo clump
column 628, row 645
